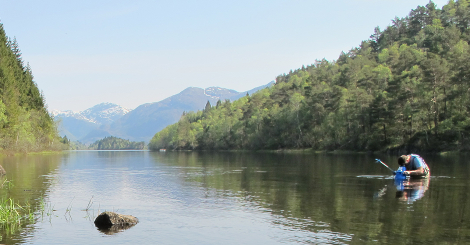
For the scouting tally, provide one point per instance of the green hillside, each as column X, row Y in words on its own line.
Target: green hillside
column 114, row 143
column 405, row 88
column 25, row 124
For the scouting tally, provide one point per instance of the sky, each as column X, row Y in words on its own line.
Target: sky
column 85, row 52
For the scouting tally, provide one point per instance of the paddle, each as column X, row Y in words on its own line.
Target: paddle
column 378, row 160
column 399, row 175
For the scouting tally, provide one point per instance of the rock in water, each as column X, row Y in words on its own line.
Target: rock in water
column 115, row 222
column 2, row 171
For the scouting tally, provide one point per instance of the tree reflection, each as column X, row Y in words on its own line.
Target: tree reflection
column 26, row 182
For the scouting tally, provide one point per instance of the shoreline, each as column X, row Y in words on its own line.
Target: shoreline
column 338, row 152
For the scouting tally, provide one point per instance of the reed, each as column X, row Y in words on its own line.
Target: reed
column 69, row 207
column 90, row 203
column 12, row 213
column 46, row 209
column 6, row 184
column 14, row 216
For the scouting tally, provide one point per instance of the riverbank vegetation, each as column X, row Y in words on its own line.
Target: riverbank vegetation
column 405, row 88
column 25, row 123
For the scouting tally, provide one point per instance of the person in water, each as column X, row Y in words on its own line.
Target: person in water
column 415, row 166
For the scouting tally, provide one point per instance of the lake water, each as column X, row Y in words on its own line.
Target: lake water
column 236, row 198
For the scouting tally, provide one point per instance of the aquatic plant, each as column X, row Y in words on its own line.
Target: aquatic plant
column 7, row 184
column 45, row 209
column 90, row 203
column 69, row 207
column 12, row 215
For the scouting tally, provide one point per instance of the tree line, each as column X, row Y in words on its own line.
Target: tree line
column 405, row 88
column 114, row 143
column 25, row 123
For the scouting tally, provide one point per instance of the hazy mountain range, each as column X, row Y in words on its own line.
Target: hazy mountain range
column 140, row 124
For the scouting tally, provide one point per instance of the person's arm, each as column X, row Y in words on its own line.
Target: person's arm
column 418, row 171
column 415, row 163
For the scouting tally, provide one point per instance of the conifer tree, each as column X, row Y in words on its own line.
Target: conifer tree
column 407, row 86
column 25, row 124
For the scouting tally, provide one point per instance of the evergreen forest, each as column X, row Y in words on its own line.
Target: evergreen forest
column 25, row 123
column 114, row 143
column 405, row 88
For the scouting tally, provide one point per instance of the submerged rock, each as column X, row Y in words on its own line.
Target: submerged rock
column 110, row 222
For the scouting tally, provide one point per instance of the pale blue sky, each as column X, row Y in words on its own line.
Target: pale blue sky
column 86, row 52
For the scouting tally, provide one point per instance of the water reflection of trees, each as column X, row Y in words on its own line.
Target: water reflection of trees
column 324, row 189
column 271, row 182
column 30, row 180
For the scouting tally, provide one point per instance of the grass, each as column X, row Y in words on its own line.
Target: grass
column 7, row 184
column 14, row 216
column 46, row 209
column 69, row 207
column 90, row 203
column 5, row 153
column 47, row 152
column 12, row 213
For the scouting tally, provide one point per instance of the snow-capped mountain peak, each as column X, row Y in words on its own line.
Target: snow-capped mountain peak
column 217, row 92
column 104, row 113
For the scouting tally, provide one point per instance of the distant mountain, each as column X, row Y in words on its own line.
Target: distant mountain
column 252, row 91
column 105, row 113
column 78, row 125
column 142, row 123
column 146, row 120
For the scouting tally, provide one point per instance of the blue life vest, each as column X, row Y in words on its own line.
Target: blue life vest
column 416, row 162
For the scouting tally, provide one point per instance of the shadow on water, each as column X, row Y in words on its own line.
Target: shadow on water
column 112, row 230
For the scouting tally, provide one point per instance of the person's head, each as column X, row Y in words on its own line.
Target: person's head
column 402, row 160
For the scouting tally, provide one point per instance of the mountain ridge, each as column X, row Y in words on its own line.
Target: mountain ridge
column 140, row 124
column 76, row 125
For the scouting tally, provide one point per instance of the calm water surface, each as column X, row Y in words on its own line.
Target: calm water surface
column 236, row 198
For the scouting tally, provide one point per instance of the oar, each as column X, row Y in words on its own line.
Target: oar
column 378, row 160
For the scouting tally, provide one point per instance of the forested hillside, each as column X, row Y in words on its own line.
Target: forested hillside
column 25, row 124
column 406, row 87
column 114, row 143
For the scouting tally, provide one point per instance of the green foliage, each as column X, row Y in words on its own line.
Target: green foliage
column 25, row 124
column 76, row 145
column 114, row 143
column 12, row 213
column 406, row 88
column 64, row 140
